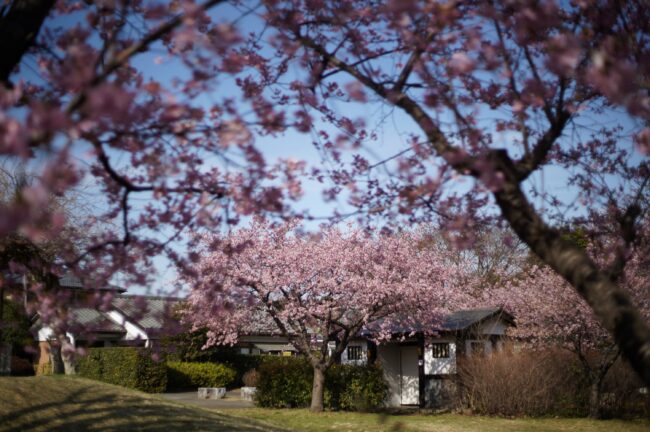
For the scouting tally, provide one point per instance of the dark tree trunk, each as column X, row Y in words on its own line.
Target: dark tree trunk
column 55, row 358
column 318, row 389
column 18, row 30
column 5, row 358
column 610, row 303
column 595, row 390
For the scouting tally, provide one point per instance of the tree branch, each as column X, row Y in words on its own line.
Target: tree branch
column 18, row 30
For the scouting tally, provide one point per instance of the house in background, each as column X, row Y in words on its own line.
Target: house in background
column 419, row 364
column 130, row 320
column 420, row 368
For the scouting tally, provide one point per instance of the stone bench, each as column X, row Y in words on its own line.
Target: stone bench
column 211, row 392
column 248, row 393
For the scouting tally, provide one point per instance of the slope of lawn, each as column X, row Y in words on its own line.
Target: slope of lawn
column 76, row 404
column 59, row 403
column 303, row 420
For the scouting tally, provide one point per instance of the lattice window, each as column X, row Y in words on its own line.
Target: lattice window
column 440, row 350
column 355, row 353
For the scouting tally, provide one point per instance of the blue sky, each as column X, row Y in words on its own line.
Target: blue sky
column 392, row 133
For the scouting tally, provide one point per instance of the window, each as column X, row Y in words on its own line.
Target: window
column 355, row 353
column 440, row 350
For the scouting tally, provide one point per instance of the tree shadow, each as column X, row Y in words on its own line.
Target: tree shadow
column 85, row 409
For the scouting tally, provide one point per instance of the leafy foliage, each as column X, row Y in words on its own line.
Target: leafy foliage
column 125, row 366
column 187, row 346
column 189, row 375
column 286, row 382
column 15, row 324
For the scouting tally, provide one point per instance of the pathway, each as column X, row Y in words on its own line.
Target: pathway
column 230, row 401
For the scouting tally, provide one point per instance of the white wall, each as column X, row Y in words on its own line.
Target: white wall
column 46, row 334
column 133, row 332
column 439, row 366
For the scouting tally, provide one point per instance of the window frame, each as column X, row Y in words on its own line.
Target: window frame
column 440, row 350
column 357, row 350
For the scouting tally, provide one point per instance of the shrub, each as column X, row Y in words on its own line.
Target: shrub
column 251, row 378
column 286, row 382
column 21, row 366
column 355, row 388
column 542, row 383
column 525, row 383
column 188, row 347
column 621, row 395
column 125, row 366
column 189, row 375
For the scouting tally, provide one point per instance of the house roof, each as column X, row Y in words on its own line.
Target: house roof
column 147, row 312
column 94, row 320
column 458, row 321
column 68, row 280
column 463, row 319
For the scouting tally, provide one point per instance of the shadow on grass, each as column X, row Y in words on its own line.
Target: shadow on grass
column 102, row 410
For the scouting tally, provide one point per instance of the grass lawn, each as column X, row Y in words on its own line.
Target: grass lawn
column 77, row 404
column 59, row 403
column 303, row 420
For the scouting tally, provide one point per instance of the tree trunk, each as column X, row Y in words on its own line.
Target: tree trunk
column 318, row 389
column 18, row 30
column 55, row 358
column 610, row 303
column 594, row 399
column 5, row 358
column 69, row 363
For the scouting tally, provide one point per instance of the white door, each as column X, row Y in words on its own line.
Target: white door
column 410, row 387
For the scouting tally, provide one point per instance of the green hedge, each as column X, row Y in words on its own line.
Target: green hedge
column 125, row 366
column 189, row 375
column 356, row 388
column 287, row 383
column 284, row 382
column 188, row 347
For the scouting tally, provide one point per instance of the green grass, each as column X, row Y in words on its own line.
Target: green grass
column 59, row 404
column 303, row 420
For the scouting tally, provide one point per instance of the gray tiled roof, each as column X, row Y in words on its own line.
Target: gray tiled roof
column 461, row 320
column 68, row 280
column 149, row 313
column 456, row 321
column 94, row 320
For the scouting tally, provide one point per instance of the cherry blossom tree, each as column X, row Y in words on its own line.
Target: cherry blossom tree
column 549, row 312
column 500, row 96
column 78, row 107
column 316, row 290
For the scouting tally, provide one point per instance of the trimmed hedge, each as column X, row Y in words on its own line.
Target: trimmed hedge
column 190, row 375
column 125, row 366
column 286, row 382
column 356, row 388
column 188, row 347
